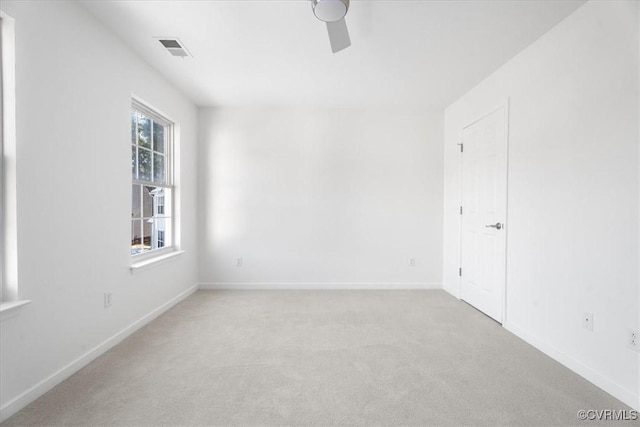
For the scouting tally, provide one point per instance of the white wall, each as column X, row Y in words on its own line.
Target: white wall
column 323, row 197
column 74, row 87
column 573, row 191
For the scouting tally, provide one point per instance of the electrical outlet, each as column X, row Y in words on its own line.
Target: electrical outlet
column 107, row 299
column 587, row 321
column 633, row 340
column 412, row 262
column 239, row 262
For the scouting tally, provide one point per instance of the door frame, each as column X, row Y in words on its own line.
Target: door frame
column 505, row 105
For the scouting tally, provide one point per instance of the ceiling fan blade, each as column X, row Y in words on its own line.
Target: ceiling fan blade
column 338, row 35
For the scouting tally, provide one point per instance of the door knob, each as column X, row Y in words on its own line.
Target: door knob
column 497, row 226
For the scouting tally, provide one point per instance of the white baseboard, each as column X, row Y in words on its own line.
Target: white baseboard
column 56, row 378
column 319, row 286
column 454, row 292
column 626, row 396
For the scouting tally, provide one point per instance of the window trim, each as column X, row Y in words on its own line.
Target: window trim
column 150, row 257
column 148, row 262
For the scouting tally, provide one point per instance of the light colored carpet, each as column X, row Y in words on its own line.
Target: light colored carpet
column 320, row 358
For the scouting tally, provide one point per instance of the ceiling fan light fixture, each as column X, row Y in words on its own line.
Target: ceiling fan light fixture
column 330, row 10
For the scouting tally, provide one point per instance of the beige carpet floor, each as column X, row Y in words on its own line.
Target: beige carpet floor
column 320, row 358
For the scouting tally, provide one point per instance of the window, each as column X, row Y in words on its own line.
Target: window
column 9, row 295
column 152, row 181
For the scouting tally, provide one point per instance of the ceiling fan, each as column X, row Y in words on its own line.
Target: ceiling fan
column 332, row 12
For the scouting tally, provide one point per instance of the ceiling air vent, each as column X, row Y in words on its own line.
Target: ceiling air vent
column 174, row 46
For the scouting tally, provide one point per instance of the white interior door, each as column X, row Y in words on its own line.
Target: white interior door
column 483, row 213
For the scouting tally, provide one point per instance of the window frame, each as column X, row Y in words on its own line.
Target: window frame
column 169, row 181
column 10, row 294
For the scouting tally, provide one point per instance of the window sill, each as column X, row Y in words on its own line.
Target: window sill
column 11, row 307
column 155, row 260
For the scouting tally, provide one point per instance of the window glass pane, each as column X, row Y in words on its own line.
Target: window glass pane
column 134, row 164
column 136, row 237
column 159, row 201
column 144, row 131
column 160, row 233
column 147, row 201
column 144, row 164
column 158, row 137
column 158, row 167
column 134, row 119
column 136, row 209
column 147, row 226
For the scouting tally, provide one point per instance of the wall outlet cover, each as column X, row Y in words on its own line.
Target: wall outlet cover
column 587, row 321
column 108, row 300
column 633, row 340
